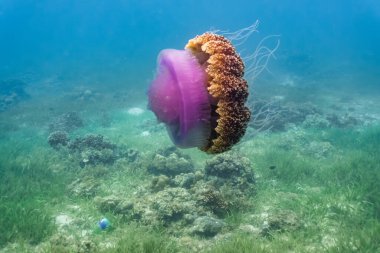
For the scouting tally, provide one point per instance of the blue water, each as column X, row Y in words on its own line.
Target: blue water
column 121, row 39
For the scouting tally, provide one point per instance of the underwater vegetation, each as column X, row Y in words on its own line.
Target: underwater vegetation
column 26, row 185
column 304, row 187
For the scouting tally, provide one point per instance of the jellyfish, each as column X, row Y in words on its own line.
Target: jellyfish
column 200, row 92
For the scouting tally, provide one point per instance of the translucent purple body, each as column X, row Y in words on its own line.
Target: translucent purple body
column 178, row 96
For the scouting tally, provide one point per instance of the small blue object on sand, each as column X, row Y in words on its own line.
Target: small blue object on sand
column 104, row 223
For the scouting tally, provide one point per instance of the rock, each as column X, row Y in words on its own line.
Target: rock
column 172, row 150
column 86, row 246
column 185, row 180
column 281, row 221
column 172, row 203
column 229, row 165
column 68, row 243
column 247, row 228
column 164, row 207
column 213, row 200
column 114, row 204
column 91, row 141
column 159, row 183
column 85, row 187
column 230, row 168
column 93, row 150
column 62, row 242
column 108, row 203
column 94, row 157
column 189, row 218
column 124, row 207
column 171, row 165
column 186, row 201
column 58, row 139
column 207, row 226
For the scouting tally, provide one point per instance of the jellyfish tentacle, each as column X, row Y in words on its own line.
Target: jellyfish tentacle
column 258, row 61
column 241, row 35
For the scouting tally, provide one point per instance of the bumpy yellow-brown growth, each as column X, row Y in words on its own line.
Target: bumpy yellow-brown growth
column 227, row 88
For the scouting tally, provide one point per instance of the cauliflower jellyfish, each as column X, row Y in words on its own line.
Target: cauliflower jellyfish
column 200, row 92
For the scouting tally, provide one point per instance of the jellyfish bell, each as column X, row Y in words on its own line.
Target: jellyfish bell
column 179, row 98
column 200, row 92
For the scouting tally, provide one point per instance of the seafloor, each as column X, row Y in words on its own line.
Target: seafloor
column 305, row 178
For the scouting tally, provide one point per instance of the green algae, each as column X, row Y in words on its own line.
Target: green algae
column 302, row 202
